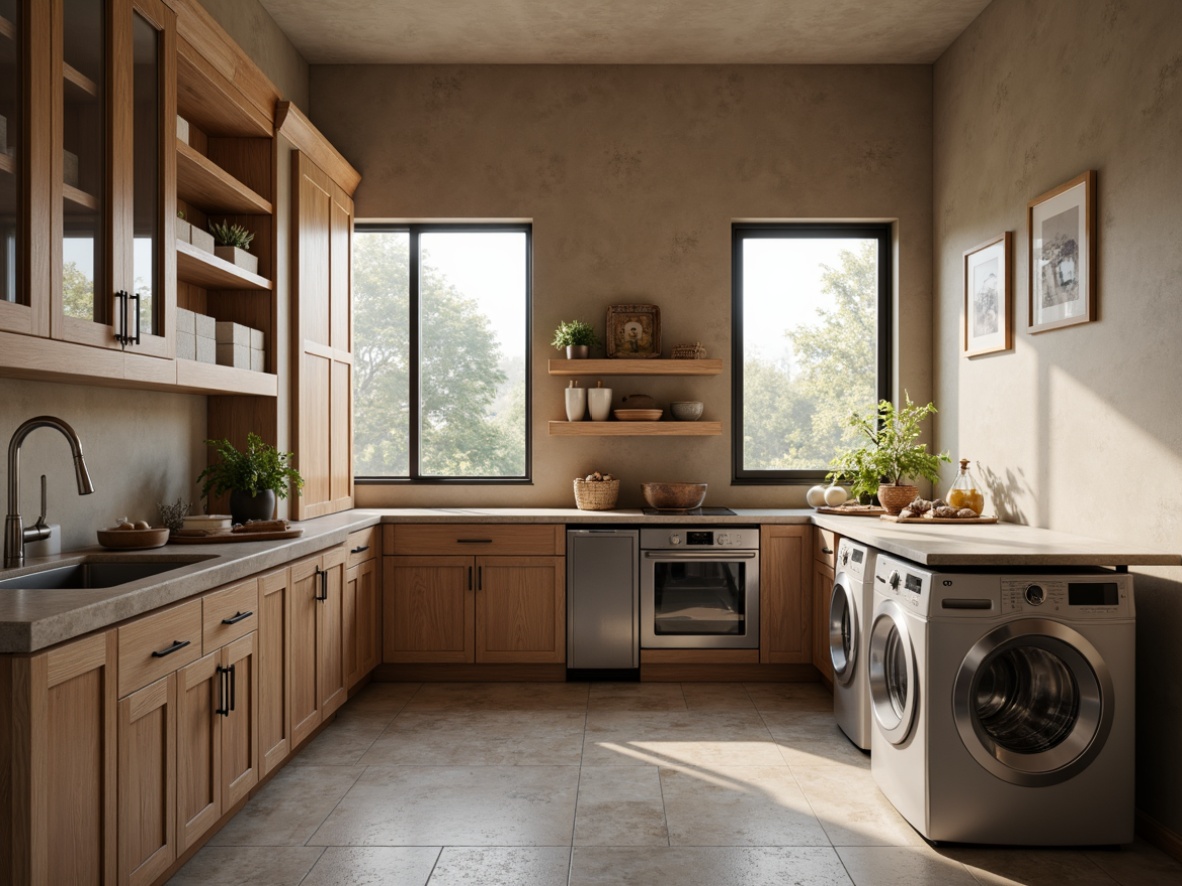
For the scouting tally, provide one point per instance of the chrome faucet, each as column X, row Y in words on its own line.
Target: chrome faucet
column 15, row 535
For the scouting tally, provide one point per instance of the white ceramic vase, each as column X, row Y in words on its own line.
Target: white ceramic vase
column 576, row 403
column 599, row 403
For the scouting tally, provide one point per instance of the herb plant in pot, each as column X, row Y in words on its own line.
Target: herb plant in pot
column 890, row 457
column 577, row 336
column 232, row 241
column 253, row 478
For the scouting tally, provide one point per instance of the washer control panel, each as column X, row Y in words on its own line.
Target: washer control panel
column 902, row 581
column 855, row 560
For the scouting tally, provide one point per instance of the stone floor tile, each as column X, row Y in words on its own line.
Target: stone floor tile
column 379, row 700
column 851, row 808
column 678, row 737
column 247, row 866
column 485, row 738
column 810, row 739
column 373, row 866
column 696, row 866
column 902, row 866
column 1138, row 865
column 620, row 806
column 455, row 806
column 716, row 697
column 997, row 866
column 738, row 806
column 499, row 697
column 289, row 809
column 636, row 697
column 771, row 697
column 342, row 743
column 492, row 866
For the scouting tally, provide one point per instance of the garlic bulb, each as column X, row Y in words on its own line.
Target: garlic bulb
column 815, row 496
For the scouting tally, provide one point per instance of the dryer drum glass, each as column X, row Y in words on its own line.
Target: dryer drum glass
column 1027, row 699
column 895, row 672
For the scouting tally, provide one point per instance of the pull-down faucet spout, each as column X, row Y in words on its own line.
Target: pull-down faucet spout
column 15, row 535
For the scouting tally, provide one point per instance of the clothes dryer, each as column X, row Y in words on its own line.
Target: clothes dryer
column 1003, row 703
column 851, row 606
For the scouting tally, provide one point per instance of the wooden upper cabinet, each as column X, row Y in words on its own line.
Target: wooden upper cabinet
column 322, row 231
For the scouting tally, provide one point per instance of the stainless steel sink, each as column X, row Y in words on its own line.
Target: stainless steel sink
column 93, row 574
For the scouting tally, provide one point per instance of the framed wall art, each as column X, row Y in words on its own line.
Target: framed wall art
column 988, row 270
column 1061, row 225
column 634, row 331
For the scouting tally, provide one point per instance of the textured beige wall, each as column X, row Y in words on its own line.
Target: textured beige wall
column 1079, row 427
column 632, row 177
column 141, row 448
column 255, row 31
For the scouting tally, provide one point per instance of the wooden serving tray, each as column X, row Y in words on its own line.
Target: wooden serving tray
column 852, row 511
column 892, row 519
column 225, row 536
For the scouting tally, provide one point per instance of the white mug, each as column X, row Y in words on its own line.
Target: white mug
column 576, row 403
column 599, row 402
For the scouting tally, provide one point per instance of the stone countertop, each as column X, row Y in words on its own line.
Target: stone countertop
column 36, row 619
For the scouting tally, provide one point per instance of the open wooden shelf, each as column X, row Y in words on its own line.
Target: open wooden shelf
column 206, row 270
column 206, row 98
column 635, row 367
column 635, row 428
column 79, row 82
column 202, row 183
column 7, row 163
column 78, row 200
column 7, row 28
column 215, row 378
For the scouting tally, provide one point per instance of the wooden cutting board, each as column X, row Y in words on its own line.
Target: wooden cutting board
column 891, row 519
column 853, row 511
column 225, row 536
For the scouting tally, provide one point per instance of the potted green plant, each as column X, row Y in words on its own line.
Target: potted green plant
column 577, row 336
column 254, row 478
column 890, row 456
column 231, row 242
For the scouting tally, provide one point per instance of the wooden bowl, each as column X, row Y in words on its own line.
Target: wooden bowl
column 133, row 539
column 674, row 496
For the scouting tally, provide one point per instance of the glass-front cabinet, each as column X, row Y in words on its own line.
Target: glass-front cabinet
column 16, row 309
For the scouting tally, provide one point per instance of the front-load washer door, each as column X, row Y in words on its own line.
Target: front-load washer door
column 1032, row 702
column 894, row 677
column 844, row 631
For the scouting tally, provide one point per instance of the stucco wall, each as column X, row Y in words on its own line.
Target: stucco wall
column 1079, row 428
column 632, row 177
column 255, row 31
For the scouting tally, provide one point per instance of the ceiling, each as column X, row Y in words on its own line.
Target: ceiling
column 623, row 31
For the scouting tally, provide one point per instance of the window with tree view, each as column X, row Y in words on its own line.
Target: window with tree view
column 811, row 321
column 440, row 357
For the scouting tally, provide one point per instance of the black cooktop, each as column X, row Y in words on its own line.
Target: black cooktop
column 694, row 512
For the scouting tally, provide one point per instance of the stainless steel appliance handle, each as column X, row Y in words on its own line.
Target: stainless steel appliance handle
column 700, row 555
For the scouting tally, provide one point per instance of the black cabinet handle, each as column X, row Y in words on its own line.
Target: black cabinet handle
column 223, row 707
column 233, row 687
column 237, row 617
column 469, row 578
column 360, row 549
column 136, row 340
column 479, row 578
column 176, row 646
column 826, row 550
column 474, row 541
column 322, row 595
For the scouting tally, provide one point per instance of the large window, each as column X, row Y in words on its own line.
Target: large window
column 811, row 337
column 440, row 352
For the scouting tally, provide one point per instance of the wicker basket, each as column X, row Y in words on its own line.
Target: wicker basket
column 596, row 495
column 689, row 352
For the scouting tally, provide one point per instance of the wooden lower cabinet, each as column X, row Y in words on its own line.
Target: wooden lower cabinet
column 147, row 786
column 317, row 663
column 361, row 627
column 822, row 589
column 274, row 670
column 785, row 594
column 463, row 610
column 58, row 747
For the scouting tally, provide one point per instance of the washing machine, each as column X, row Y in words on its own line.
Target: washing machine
column 851, row 605
column 1003, row 703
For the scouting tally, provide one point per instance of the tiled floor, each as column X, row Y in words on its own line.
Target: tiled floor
column 602, row 785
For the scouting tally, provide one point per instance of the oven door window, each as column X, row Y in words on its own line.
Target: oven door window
column 695, row 598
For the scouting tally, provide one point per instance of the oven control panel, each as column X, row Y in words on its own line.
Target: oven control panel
column 695, row 538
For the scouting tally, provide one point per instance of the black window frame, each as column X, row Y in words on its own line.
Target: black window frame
column 883, row 232
column 414, row 230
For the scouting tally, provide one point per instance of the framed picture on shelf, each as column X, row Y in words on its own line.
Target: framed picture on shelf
column 634, row 331
column 987, row 298
column 1061, row 225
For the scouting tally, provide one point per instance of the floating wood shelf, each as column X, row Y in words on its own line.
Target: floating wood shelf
column 635, row 428
column 206, row 270
column 7, row 163
column 78, row 201
column 217, row 379
column 204, row 184
column 84, row 87
column 635, row 367
column 7, row 29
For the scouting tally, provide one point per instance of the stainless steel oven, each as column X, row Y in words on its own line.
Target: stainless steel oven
column 699, row 588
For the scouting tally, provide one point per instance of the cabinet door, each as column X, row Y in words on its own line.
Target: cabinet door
column 331, row 691
column 428, row 610
column 240, row 726
column 274, row 670
column 199, row 748
column 361, row 622
column 147, row 782
column 785, row 594
column 306, row 588
column 822, row 589
column 520, row 610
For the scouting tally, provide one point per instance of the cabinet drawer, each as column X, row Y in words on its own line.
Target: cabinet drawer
column 511, row 539
column 158, row 644
column 363, row 545
column 230, row 613
column 825, row 546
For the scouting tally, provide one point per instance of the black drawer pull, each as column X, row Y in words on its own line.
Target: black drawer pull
column 176, row 646
column 223, row 707
column 474, row 541
column 826, row 550
column 360, row 549
column 236, row 617
column 233, row 686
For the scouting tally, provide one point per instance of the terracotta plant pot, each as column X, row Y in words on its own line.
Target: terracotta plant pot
column 896, row 497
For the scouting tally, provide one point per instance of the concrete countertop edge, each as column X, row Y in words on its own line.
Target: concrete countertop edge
column 31, row 621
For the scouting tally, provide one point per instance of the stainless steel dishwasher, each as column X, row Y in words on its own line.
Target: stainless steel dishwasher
column 602, row 603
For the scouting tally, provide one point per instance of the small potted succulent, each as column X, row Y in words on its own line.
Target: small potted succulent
column 231, row 242
column 254, row 478
column 577, row 337
column 891, row 456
